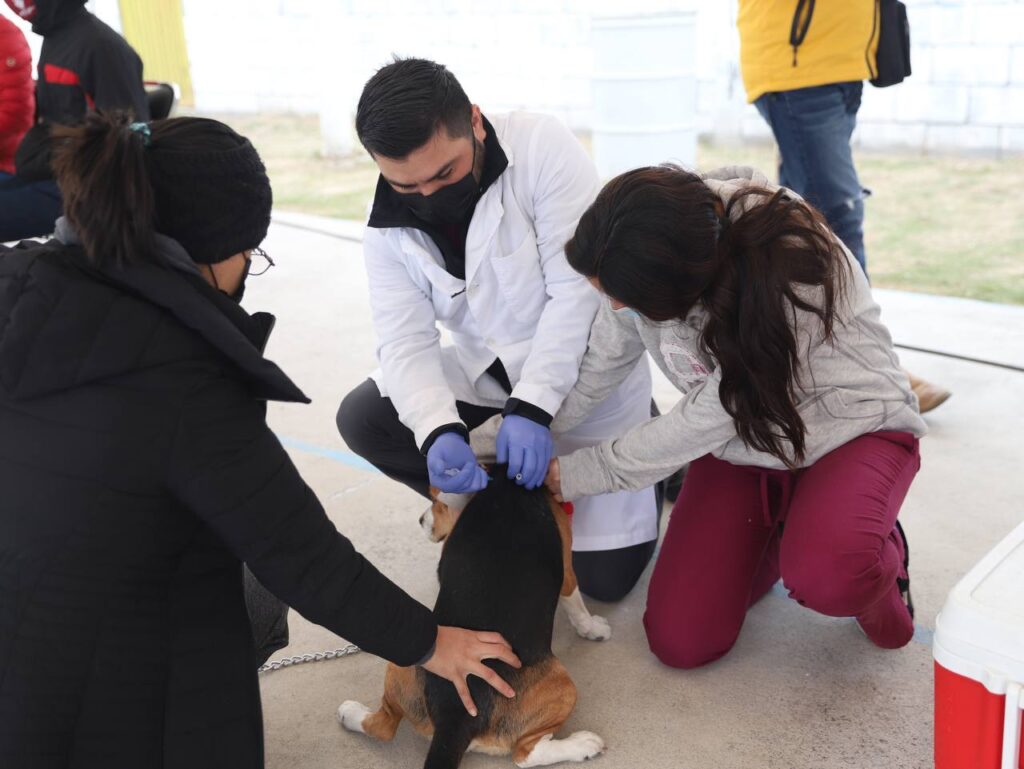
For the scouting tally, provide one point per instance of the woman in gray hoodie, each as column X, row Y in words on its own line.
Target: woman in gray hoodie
column 794, row 409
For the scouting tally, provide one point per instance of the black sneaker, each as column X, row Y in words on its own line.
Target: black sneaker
column 903, row 583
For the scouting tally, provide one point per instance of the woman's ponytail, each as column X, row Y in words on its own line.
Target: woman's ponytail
column 100, row 167
column 774, row 246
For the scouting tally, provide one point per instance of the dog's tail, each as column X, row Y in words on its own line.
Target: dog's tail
column 452, row 737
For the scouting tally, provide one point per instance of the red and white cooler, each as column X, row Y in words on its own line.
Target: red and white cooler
column 979, row 664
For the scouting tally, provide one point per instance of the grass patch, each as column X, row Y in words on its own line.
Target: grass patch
column 935, row 224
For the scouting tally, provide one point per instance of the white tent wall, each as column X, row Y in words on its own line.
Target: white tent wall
column 966, row 93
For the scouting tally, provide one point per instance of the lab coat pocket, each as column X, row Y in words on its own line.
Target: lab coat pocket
column 521, row 280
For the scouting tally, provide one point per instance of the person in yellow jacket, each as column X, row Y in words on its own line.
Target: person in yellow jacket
column 803, row 65
column 787, row 45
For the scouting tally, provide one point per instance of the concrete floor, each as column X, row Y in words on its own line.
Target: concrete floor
column 799, row 691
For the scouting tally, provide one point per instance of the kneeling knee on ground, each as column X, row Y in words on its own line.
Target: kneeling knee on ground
column 687, row 645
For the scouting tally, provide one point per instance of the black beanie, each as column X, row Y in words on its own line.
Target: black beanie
column 211, row 195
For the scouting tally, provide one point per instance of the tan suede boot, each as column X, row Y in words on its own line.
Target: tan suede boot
column 929, row 396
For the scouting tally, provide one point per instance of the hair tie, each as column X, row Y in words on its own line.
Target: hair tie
column 144, row 130
column 722, row 224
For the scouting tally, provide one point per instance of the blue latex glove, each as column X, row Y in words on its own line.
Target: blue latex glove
column 452, row 465
column 527, row 447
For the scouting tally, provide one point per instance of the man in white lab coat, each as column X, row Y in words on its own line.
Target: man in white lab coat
column 467, row 230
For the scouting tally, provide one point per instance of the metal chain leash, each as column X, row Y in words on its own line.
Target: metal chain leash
column 300, row 659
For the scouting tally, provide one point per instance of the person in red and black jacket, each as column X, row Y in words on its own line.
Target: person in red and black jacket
column 84, row 66
column 16, row 101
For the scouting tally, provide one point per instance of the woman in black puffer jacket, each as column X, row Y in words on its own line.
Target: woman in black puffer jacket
column 137, row 471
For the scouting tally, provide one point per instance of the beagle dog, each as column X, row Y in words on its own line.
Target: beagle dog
column 505, row 566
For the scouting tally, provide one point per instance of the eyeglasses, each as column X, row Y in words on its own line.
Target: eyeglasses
column 259, row 268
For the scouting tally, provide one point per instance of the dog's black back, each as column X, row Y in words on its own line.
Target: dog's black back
column 501, row 570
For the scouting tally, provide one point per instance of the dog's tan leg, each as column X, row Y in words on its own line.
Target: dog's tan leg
column 403, row 697
column 584, row 623
column 565, row 531
column 543, row 709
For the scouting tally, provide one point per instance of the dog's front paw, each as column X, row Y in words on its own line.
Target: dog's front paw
column 584, row 745
column 585, row 623
column 351, row 714
column 592, row 627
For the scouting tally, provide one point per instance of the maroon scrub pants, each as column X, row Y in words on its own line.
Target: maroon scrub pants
column 828, row 530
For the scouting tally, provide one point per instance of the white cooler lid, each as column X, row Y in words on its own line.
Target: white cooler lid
column 980, row 631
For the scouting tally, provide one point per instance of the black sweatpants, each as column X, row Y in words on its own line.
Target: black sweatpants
column 369, row 425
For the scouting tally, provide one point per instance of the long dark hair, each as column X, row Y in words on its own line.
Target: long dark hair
column 660, row 241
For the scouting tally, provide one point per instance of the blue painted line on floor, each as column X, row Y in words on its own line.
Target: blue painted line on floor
column 344, row 457
column 923, row 635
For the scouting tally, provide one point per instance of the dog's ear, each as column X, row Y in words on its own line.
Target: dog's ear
column 455, row 502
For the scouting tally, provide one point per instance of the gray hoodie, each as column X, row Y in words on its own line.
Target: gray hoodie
column 848, row 387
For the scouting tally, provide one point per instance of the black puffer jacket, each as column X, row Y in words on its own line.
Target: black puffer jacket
column 137, row 473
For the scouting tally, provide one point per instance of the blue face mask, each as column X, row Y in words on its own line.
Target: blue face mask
column 628, row 312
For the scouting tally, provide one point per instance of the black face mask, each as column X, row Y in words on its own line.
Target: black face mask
column 449, row 205
column 240, row 291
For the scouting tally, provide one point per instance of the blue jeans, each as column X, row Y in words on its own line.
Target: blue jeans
column 27, row 209
column 812, row 127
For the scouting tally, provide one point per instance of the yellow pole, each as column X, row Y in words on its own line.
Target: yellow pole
column 156, row 29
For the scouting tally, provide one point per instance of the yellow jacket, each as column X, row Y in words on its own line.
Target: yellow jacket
column 839, row 45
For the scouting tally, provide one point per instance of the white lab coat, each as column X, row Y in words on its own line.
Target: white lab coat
column 520, row 302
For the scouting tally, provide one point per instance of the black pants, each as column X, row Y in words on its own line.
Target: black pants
column 369, row 425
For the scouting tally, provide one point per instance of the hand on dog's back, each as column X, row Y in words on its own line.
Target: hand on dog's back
column 459, row 653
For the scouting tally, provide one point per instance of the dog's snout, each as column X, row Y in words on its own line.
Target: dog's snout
column 427, row 524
